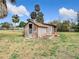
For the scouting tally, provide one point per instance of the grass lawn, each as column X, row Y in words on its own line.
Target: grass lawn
column 14, row 46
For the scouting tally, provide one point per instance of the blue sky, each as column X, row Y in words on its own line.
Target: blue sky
column 50, row 8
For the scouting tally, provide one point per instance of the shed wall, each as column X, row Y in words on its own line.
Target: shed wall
column 34, row 30
column 50, row 30
column 42, row 32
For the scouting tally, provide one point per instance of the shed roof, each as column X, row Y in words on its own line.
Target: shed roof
column 41, row 24
column 38, row 24
column 54, row 25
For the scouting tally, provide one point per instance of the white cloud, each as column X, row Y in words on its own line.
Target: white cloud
column 19, row 10
column 70, row 13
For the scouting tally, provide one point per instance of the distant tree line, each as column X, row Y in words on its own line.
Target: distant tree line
column 7, row 25
column 66, row 25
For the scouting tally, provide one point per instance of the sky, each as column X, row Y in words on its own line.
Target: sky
column 52, row 9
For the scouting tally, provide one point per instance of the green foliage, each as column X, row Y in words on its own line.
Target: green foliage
column 53, row 51
column 58, row 23
column 15, row 18
column 6, row 25
column 37, row 7
column 63, row 38
column 62, row 26
column 22, row 24
column 29, row 19
column 77, row 56
column 77, row 26
column 44, row 54
column 37, row 15
column 65, row 26
column 12, row 1
column 14, row 56
column 33, row 15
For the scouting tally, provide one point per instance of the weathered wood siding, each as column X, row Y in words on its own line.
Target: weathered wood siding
column 50, row 30
column 42, row 32
column 34, row 30
column 39, row 31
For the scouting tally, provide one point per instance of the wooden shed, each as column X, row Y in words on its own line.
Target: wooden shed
column 35, row 29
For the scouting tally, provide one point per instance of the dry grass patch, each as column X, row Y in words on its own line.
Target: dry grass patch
column 14, row 46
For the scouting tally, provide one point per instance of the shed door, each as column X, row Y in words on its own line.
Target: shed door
column 30, row 30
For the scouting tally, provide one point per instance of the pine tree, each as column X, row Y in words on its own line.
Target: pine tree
column 37, row 15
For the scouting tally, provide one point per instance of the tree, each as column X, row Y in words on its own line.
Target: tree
column 5, row 25
column 62, row 26
column 37, row 15
column 3, row 8
column 78, row 17
column 66, row 26
column 29, row 19
column 58, row 23
column 33, row 15
column 37, row 8
column 22, row 24
column 13, row 1
column 77, row 26
column 15, row 19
